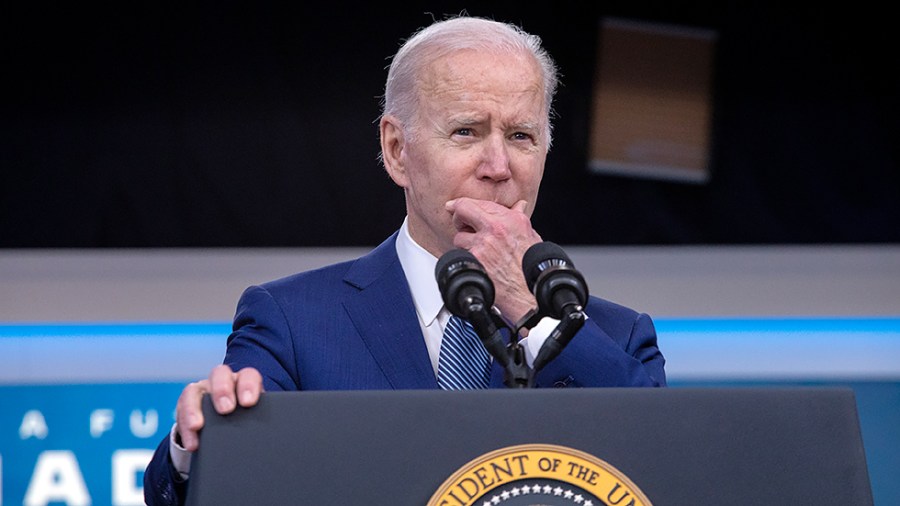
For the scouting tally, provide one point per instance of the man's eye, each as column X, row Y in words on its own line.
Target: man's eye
column 521, row 136
column 464, row 131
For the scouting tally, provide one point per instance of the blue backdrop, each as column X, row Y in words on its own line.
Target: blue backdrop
column 83, row 406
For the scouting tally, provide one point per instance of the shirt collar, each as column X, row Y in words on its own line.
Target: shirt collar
column 418, row 267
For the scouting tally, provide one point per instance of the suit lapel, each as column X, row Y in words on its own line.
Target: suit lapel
column 384, row 315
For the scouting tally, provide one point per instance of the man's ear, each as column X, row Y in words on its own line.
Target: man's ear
column 393, row 146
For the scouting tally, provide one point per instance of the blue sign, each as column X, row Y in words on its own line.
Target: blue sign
column 83, row 406
column 81, row 444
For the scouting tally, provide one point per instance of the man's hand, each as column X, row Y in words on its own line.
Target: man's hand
column 498, row 237
column 227, row 389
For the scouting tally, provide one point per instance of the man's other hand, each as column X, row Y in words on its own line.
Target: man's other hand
column 226, row 388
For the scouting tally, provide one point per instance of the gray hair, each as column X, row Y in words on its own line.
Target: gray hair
column 447, row 36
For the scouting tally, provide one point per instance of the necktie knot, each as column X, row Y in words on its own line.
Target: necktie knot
column 463, row 363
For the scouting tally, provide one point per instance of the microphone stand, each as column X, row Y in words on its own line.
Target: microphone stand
column 517, row 372
column 488, row 324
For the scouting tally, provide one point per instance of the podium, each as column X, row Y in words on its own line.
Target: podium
column 670, row 446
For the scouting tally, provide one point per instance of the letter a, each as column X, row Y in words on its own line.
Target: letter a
column 33, row 425
column 57, row 478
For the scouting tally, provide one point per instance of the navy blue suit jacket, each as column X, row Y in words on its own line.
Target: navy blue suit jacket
column 353, row 326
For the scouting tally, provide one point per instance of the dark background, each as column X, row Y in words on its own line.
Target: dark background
column 255, row 124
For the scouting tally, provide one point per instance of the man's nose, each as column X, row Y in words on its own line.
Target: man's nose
column 494, row 162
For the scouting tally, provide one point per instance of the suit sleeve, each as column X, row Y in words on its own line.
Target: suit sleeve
column 161, row 484
column 260, row 338
column 617, row 350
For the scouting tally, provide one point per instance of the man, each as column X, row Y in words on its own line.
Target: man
column 465, row 132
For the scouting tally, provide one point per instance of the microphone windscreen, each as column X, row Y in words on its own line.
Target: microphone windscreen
column 450, row 258
column 540, row 257
column 460, row 277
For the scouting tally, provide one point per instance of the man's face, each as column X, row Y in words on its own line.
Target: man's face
column 481, row 132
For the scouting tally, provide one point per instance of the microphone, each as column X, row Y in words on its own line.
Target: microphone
column 468, row 293
column 551, row 276
column 561, row 293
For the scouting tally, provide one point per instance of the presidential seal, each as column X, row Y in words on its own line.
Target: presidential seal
column 538, row 475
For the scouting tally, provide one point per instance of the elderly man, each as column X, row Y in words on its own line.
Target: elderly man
column 465, row 133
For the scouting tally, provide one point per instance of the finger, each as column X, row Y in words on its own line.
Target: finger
column 465, row 239
column 472, row 214
column 249, row 386
column 521, row 206
column 464, row 214
column 461, row 224
column 189, row 414
column 221, row 388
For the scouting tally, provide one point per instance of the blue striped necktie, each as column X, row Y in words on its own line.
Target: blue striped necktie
column 464, row 363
